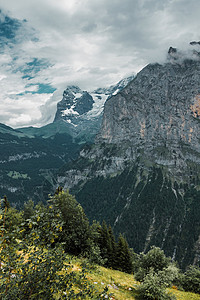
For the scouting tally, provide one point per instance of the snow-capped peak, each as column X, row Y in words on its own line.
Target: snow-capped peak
column 78, row 105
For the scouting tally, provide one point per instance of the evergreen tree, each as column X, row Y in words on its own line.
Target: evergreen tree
column 112, row 249
column 124, row 261
column 28, row 209
column 76, row 233
column 107, row 245
column 103, row 242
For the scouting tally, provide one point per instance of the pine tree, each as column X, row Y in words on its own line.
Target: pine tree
column 104, row 242
column 28, row 209
column 124, row 260
column 112, row 249
column 76, row 233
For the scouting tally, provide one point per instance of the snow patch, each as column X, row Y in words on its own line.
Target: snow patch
column 98, row 105
column 69, row 112
column 77, row 95
column 115, row 93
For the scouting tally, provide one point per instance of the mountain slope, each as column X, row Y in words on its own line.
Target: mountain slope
column 142, row 174
column 26, row 162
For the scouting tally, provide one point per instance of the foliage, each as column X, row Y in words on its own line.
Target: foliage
column 124, row 258
column 41, row 228
column 62, row 221
column 43, row 275
column 75, row 231
column 147, row 192
column 116, row 255
column 191, row 279
column 154, row 260
column 153, row 287
column 28, row 209
column 156, row 274
column 94, row 256
column 30, row 272
column 107, row 244
column 34, row 263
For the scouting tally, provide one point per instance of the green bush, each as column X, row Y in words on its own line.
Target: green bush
column 154, row 286
column 45, row 274
column 191, row 279
column 156, row 273
column 154, row 260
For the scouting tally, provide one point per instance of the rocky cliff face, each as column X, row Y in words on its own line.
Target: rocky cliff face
column 158, row 113
column 142, row 174
column 75, row 102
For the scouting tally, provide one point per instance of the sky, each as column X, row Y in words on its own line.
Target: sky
column 46, row 45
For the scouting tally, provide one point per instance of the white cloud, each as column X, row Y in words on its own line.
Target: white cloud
column 90, row 43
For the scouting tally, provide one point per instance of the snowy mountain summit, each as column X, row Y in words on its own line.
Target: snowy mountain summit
column 74, row 103
column 83, row 110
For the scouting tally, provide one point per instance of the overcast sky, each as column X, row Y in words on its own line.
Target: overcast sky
column 46, row 45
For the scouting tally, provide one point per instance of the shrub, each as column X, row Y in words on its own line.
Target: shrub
column 154, row 286
column 191, row 279
column 154, row 260
column 45, row 274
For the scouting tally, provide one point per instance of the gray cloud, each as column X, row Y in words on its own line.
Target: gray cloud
column 90, row 43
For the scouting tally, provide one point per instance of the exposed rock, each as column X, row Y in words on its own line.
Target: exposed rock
column 158, row 113
column 75, row 102
column 194, row 43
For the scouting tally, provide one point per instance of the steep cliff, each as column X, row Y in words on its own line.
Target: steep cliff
column 158, row 114
column 142, row 174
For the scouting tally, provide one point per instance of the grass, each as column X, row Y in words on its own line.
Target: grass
column 123, row 286
column 180, row 295
column 120, row 285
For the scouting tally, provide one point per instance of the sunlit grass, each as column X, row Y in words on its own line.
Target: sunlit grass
column 123, row 286
column 180, row 295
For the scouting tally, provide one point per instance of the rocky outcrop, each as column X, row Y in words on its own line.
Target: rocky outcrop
column 194, row 43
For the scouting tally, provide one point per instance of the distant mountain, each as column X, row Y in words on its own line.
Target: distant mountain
column 82, row 111
column 4, row 129
column 27, row 162
column 142, row 175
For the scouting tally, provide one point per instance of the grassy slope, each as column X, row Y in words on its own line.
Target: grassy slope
column 122, row 286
